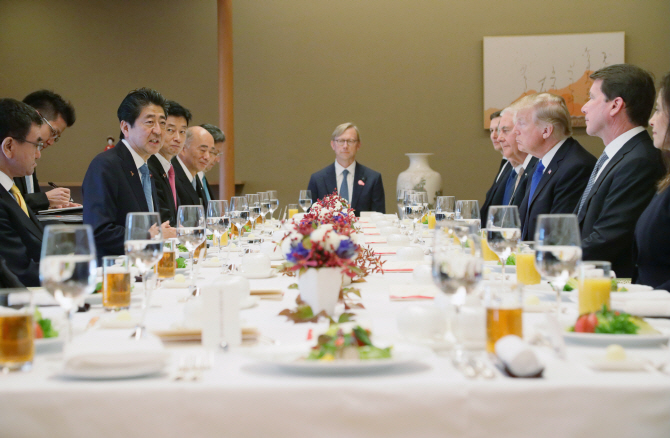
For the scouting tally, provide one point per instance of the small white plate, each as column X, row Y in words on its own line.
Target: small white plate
column 605, row 339
column 269, row 274
column 599, row 362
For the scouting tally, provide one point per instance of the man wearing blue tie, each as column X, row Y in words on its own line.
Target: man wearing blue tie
column 544, row 128
column 521, row 162
column 359, row 185
column 118, row 181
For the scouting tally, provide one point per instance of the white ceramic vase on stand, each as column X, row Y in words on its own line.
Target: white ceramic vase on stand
column 419, row 176
column 320, row 288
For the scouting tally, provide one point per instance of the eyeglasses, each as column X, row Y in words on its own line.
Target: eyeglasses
column 341, row 142
column 54, row 134
column 39, row 144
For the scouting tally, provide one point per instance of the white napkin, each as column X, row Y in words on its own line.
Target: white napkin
column 105, row 353
column 645, row 307
column 392, row 265
column 642, row 295
column 517, row 356
column 411, row 291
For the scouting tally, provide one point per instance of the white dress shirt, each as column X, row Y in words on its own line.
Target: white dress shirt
column 6, row 182
column 350, row 178
column 30, row 185
column 616, row 144
column 139, row 161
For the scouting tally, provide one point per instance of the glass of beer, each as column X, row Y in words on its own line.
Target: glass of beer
column 504, row 312
column 167, row 265
column 116, row 283
column 526, row 272
column 17, row 334
column 595, row 285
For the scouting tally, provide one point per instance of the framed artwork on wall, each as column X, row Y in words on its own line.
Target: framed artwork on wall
column 516, row 66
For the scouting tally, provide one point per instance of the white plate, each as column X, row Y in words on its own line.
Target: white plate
column 269, row 274
column 290, row 358
column 140, row 370
column 604, row 339
column 599, row 362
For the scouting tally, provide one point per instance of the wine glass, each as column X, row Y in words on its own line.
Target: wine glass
column 305, row 200
column 455, row 272
column 239, row 214
column 191, row 231
column 254, row 204
column 400, row 200
column 413, row 209
column 274, row 202
column 444, row 208
column 144, row 247
column 265, row 205
column 503, row 231
column 217, row 211
column 557, row 250
column 468, row 211
column 68, row 266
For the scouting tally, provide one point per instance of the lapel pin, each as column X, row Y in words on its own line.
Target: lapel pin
column 132, row 173
column 549, row 171
column 360, row 182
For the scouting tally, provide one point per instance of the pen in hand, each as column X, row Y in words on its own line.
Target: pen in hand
column 54, row 186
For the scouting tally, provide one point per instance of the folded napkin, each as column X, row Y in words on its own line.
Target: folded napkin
column 642, row 295
column 644, row 307
column 112, row 353
column 412, row 292
column 517, row 357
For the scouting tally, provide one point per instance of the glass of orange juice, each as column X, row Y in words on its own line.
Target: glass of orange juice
column 595, row 284
column 526, row 272
column 292, row 210
column 504, row 312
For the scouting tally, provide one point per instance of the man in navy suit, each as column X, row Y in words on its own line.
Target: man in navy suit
column 495, row 193
column 20, row 231
column 160, row 165
column 359, row 185
column 624, row 180
column 544, row 128
column 193, row 158
column 118, row 181
column 214, row 157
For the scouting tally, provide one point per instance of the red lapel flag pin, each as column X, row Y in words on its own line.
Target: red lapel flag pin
column 549, row 171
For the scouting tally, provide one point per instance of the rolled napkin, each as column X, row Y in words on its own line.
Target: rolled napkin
column 644, row 307
column 517, row 356
column 113, row 354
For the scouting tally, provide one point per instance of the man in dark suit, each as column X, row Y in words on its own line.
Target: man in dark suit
column 20, row 231
column 494, row 195
column 544, row 128
column 57, row 115
column 214, row 158
column 624, row 180
column 361, row 186
column 118, row 181
column 193, row 158
column 160, row 165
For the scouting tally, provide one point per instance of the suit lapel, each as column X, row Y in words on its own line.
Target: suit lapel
column 551, row 170
column 331, row 180
column 356, row 192
column 520, row 191
column 31, row 223
column 131, row 174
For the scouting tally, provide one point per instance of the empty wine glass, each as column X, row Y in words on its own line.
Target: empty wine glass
column 265, row 205
column 558, row 250
column 503, row 231
column 444, row 208
column 217, row 213
column 68, row 266
column 468, row 211
column 239, row 214
column 254, row 204
column 274, row 202
column 455, row 272
column 144, row 247
column 400, row 200
column 413, row 209
column 191, row 231
column 305, row 200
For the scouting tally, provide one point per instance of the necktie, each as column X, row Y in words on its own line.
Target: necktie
column 518, row 180
column 17, row 195
column 592, row 180
column 509, row 187
column 146, row 186
column 205, row 189
column 172, row 186
column 537, row 176
column 344, row 188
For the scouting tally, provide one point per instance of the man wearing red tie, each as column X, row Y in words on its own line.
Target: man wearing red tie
column 160, row 164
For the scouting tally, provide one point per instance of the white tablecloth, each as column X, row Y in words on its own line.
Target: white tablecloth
column 240, row 397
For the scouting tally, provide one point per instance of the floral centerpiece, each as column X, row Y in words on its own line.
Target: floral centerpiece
column 331, row 209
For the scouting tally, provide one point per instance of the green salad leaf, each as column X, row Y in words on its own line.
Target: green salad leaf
column 181, row 263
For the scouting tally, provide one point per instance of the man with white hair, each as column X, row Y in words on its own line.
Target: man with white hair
column 544, row 128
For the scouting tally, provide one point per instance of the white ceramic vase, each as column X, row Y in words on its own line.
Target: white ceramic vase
column 419, row 176
column 320, row 288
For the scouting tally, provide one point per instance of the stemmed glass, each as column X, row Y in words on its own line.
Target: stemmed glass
column 239, row 214
column 455, row 272
column 503, row 231
column 274, row 202
column 68, row 266
column 558, row 250
column 413, row 209
column 191, row 231
column 254, row 208
column 265, row 205
column 305, row 200
column 144, row 247
column 468, row 211
column 444, row 208
column 218, row 220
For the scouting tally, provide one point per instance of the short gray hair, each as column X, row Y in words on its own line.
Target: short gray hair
column 551, row 109
column 343, row 127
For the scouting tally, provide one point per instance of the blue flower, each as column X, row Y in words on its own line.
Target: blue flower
column 298, row 252
column 346, row 250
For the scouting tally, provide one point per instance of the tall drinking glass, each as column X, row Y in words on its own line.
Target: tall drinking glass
column 445, row 207
column 503, row 231
column 265, row 205
column 144, row 247
column 191, row 230
column 400, row 199
column 558, row 250
column 455, row 272
column 414, row 209
column 68, row 266
column 274, row 202
column 216, row 212
column 305, row 200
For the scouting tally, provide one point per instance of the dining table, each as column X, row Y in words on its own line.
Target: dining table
column 243, row 392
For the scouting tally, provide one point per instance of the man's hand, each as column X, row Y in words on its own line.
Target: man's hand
column 58, row 197
column 168, row 231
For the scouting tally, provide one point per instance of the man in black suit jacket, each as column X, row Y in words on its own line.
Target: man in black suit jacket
column 193, row 158
column 57, row 115
column 214, row 157
column 363, row 187
column 624, row 180
column 543, row 127
column 160, row 164
column 493, row 195
column 20, row 231
column 115, row 179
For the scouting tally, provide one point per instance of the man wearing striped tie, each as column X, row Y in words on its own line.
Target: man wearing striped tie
column 20, row 231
